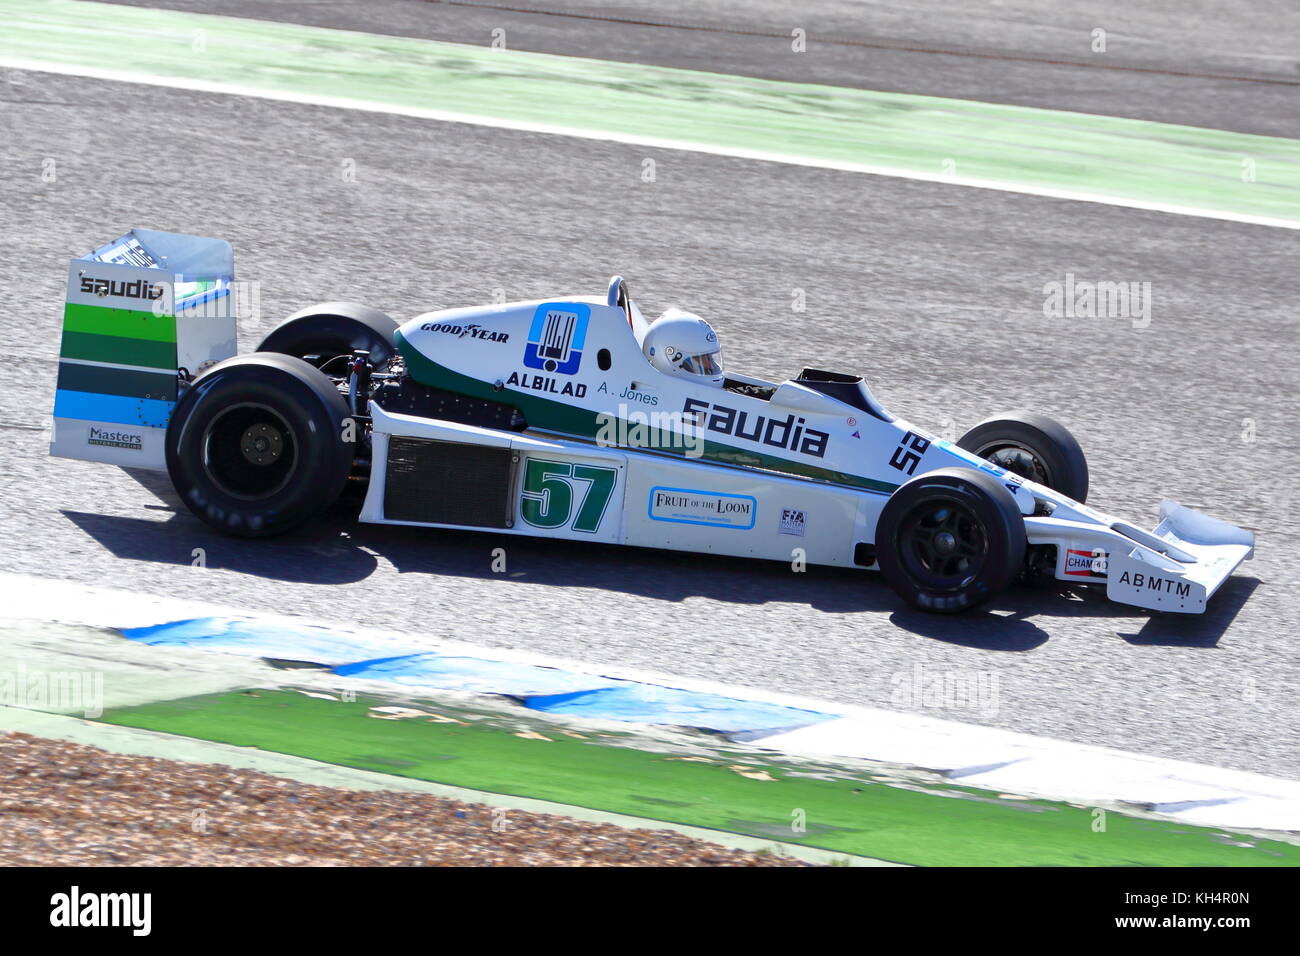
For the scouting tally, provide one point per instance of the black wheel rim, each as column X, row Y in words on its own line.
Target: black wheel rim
column 249, row 451
column 1019, row 460
column 942, row 544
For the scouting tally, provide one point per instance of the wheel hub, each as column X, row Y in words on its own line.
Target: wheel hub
column 1019, row 461
column 261, row 444
column 942, row 542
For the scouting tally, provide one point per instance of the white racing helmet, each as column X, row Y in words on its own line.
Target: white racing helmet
column 682, row 344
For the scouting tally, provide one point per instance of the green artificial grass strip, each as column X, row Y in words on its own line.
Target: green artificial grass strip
column 925, row 825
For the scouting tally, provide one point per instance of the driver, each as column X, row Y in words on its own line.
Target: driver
column 680, row 343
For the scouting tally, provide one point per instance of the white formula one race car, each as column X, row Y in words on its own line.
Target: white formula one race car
column 577, row 418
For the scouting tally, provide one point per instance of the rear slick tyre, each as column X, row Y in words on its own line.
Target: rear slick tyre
column 256, row 445
column 331, row 330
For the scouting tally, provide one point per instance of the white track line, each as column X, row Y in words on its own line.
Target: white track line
column 651, row 142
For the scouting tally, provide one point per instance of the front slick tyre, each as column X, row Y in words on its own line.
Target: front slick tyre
column 1032, row 446
column 255, row 447
column 950, row 539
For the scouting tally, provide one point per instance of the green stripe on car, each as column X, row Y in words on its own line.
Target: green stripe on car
column 119, row 350
column 122, row 323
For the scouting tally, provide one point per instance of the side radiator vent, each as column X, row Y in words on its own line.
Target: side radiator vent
column 448, row 483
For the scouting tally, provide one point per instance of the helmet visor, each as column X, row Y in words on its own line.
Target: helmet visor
column 708, row 364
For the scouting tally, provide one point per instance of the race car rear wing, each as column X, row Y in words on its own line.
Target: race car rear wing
column 140, row 311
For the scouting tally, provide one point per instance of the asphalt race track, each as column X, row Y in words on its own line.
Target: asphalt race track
column 934, row 292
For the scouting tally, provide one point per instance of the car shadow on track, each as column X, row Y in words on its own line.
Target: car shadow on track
column 1136, row 626
column 985, row 629
column 1010, row 622
column 1197, row 630
column 309, row 558
column 336, row 549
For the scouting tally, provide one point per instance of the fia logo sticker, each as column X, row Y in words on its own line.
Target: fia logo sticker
column 793, row 521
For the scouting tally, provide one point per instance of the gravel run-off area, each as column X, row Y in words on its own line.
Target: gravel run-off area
column 68, row 804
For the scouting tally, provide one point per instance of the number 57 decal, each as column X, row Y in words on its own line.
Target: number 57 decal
column 547, row 498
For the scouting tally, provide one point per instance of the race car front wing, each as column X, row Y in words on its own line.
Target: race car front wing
column 1177, row 567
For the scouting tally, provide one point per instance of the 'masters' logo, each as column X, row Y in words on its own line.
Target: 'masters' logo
column 133, row 441
column 556, row 337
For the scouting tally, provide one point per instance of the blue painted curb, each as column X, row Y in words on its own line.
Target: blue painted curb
column 547, row 689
